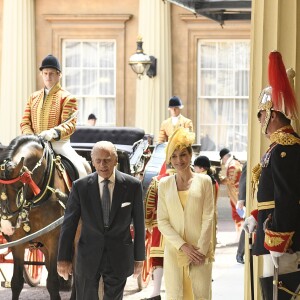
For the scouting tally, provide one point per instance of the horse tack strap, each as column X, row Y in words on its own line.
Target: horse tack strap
column 10, row 181
column 60, row 167
column 41, row 195
column 26, row 178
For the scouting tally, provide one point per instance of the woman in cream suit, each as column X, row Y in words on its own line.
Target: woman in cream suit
column 185, row 217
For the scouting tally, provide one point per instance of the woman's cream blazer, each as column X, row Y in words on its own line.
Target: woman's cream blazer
column 193, row 225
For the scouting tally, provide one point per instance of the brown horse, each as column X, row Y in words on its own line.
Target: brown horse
column 32, row 192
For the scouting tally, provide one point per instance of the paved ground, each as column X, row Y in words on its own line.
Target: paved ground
column 228, row 275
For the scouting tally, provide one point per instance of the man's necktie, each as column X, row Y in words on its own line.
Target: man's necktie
column 105, row 202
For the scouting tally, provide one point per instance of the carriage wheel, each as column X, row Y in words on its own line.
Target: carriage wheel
column 144, row 278
column 33, row 273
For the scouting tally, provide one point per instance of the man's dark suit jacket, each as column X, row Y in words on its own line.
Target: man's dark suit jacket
column 84, row 203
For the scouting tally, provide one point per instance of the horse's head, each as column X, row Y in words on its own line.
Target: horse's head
column 22, row 156
column 10, row 170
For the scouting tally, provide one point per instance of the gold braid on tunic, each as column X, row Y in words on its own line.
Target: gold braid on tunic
column 284, row 138
column 256, row 171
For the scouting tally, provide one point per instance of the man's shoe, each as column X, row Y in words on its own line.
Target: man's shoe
column 153, row 298
column 240, row 259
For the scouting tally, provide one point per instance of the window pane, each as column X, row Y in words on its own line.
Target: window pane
column 225, row 83
column 208, row 111
column 110, row 106
column 107, row 55
column 72, row 81
column 241, row 138
column 73, row 54
column 208, row 136
column 226, row 55
column 90, row 82
column 208, row 83
column 208, row 55
column 242, row 55
column 226, row 137
column 226, row 111
column 106, row 82
column 241, row 111
column 90, row 54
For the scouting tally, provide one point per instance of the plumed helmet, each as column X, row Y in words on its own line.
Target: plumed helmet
column 279, row 95
column 175, row 102
column 202, row 162
column 50, row 61
column 223, row 152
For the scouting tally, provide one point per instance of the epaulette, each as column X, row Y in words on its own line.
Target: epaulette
column 284, row 136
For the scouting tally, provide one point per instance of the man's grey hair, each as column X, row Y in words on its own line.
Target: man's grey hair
column 105, row 145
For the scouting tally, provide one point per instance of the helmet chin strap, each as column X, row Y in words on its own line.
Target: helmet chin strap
column 267, row 121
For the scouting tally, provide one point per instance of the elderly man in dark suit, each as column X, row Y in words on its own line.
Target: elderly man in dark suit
column 107, row 202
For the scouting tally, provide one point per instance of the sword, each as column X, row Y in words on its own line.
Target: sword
column 251, row 266
column 275, row 279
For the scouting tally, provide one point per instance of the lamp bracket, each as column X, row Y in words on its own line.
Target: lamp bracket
column 152, row 70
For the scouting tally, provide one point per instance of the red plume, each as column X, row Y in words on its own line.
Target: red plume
column 283, row 96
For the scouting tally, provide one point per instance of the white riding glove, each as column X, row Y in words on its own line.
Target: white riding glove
column 250, row 224
column 275, row 257
column 48, row 135
column 6, row 227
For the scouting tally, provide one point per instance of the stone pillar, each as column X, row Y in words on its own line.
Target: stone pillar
column 18, row 66
column 275, row 26
column 152, row 94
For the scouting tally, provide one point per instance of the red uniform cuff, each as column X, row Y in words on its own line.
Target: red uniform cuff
column 278, row 241
column 254, row 213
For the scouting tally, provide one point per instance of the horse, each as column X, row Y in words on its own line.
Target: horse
column 33, row 193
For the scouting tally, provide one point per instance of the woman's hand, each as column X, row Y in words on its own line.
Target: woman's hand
column 193, row 254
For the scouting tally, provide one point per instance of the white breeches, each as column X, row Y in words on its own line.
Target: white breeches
column 64, row 148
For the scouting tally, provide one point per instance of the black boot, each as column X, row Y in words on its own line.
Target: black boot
column 240, row 259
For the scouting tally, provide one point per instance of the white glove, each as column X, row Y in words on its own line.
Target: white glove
column 6, row 227
column 275, row 255
column 48, row 135
column 250, row 224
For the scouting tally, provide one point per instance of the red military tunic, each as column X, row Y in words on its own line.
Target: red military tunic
column 157, row 245
column 233, row 174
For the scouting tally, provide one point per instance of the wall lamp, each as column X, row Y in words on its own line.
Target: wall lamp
column 142, row 63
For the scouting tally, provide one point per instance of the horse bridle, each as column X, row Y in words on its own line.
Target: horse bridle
column 24, row 205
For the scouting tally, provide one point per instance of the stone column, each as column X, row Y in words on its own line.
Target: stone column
column 18, row 66
column 152, row 94
column 275, row 26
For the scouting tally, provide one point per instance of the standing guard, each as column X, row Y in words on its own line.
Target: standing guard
column 276, row 219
